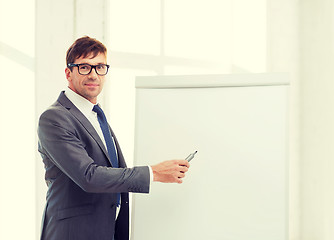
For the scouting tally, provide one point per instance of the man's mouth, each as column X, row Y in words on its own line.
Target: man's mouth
column 92, row 84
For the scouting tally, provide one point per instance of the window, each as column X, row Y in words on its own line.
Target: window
column 176, row 38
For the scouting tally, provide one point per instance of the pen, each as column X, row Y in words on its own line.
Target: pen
column 191, row 156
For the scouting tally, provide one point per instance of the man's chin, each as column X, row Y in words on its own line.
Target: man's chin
column 91, row 96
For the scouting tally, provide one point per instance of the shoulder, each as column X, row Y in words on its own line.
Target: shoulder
column 57, row 118
column 59, row 110
column 54, row 112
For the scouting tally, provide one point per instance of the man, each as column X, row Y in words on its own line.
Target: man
column 87, row 178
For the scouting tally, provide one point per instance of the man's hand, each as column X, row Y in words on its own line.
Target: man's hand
column 170, row 171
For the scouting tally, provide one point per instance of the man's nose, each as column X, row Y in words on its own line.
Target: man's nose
column 93, row 74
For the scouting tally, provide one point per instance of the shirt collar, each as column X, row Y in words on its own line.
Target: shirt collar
column 80, row 102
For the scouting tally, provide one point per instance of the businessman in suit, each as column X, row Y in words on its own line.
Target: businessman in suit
column 87, row 178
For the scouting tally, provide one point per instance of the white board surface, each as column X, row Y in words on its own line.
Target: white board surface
column 236, row 188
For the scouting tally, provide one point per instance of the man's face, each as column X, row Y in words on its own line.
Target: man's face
column 88, row 86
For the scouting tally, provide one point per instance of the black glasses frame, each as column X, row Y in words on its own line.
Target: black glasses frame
column 91, row 67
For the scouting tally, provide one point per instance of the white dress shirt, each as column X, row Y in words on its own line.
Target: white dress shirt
column 86, row 108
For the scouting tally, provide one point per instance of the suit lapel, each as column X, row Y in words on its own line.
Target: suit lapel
column 64, row 101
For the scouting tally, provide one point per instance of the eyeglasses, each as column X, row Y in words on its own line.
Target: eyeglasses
column 85, row 69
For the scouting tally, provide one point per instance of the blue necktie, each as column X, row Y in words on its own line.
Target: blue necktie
column 107, row 137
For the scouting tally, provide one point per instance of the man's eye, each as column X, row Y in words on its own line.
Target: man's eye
column 99, row 67
column 84, row 67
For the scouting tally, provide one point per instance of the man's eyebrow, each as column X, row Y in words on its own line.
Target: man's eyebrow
column 91, row 64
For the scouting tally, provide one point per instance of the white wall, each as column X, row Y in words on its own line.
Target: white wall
column 317, row 119
column 283, row 56
column 17, row 120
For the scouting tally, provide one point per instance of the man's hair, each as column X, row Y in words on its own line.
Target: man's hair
column 84, row 47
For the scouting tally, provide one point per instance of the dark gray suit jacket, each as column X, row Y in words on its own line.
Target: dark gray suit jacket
column 82, row 185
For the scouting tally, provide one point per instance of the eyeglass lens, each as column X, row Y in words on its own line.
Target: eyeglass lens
column 85, row 69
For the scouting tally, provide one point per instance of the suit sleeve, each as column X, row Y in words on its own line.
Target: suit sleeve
column 59, row 143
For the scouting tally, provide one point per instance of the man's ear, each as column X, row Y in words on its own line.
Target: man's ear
column 68, row 74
